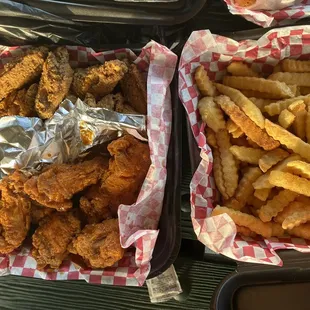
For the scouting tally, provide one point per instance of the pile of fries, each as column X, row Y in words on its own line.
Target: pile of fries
column 259, row 130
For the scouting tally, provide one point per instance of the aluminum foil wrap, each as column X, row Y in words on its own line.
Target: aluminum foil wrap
column 72, row 130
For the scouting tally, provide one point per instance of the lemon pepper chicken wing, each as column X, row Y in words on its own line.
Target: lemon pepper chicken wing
column 99, row 244
column 55, row 82
column 55, row 187
column 14, row 213
column 52, row 237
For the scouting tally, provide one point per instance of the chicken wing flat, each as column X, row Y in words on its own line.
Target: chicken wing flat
column 99, row 244
column 22, row 71
column 52, row 237
column 39, row 212
column 98, row 80
column 14, row 213
column 134, row 89
column 55, row 82
column 55, row 186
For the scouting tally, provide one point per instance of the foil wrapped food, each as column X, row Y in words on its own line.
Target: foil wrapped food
column 28, row 143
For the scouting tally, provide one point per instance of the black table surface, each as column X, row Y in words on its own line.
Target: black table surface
column 198, row 275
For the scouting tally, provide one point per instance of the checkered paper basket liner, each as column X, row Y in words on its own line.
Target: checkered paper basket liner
column 138, row 222
column 286, row 16
column 215, row 53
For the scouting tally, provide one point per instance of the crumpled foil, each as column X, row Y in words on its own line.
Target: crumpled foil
column 73, row 129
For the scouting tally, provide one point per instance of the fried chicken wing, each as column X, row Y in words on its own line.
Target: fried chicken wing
column 98, row 80
column 55, row 82
column 55, row 186
column 99, row 244
column 134, row 89
column 14, row 213
column 21, row 71
column 52, row 237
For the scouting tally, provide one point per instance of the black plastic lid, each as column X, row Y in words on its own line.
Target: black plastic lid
column 110, row 11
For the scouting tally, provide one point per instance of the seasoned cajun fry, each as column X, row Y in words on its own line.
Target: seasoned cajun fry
column 247, row 154
column 276, row 205
column 275, row 108
column 292, row 65
column 246, row 220
column 290, row 181
column 275, row 88
column 245, row 231
column 247, row 126
column 218, row 173
column 299, row 124
column 245, row 189
column 289, row 140
column 299, row 167
column 233, row 129
column 300, row 79
column 262, row 194
column 204, row 84
column 296, row 219
column 304, row 90
column 228, row 163
column 263, row 181
column 210, row 137
column 271, row 158
column 211, row 114
column 286, row 118
column 308, row 126
column 301, row 231
column 261, row 103
column 246, row 105
column 295, row 206
column 241, row 69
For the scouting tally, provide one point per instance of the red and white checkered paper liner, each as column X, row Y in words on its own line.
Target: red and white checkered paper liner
column 138, row 222
column 265, row 19
column 215, row 53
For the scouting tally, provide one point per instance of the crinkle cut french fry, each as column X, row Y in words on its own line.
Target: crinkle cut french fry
column 300, row 79
column 233, row 129
column 275, row 88
column 241, row 69
column 262, row 194
column 292, row 65
column 299, row 124
column 218, row 173
column 246, row 220
column 296, row 219
column 263, row 181
column 277, row 230
column 261, row 103
column 271, row 158
column 255, row 202
column 204, row 84
column 211, row 114
column 286, row 118
column 276, row 205
column 210, row 137
column 241, row 141
column 289, row 140
column 301, row 231
column 229, row 166
column 299, row 167
column 245, row 189
column 245, row 104
column 290, row 181
column 245, row 231
column 247, row 126
column 267, row 96
column 277, row 68
column 297, row 106
column 247, row 154
column 275, row 108
column 304, row 90
column 308, row 126
column 295, row 206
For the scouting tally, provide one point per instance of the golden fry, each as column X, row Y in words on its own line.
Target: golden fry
column 229, row 166
column 255, row 202
column 257, row 94
column 276, row 205
column 210, row 137
column 247, row 154
column 241, row 69
column 233, row 129
column 295, row 206
column 297, row 106
column 245, row 104
column 247, row 126
column 300, row 79
column 277, row 230
column 288, row 139
column 296, row 219
column 211, row 114
column 299, row 167
column 271, row 158
column 299, row 124
column 292, row 65
column 218, row 173
column 263, row 181
column 277, row 68
column 245, row 231
column 275, row 88
column 301, row 231
column 261, row 103
column 290, row 181
column 246, row 220
column 204, row 84
column 308, row 126
column 262, row 194
column 286, row 118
